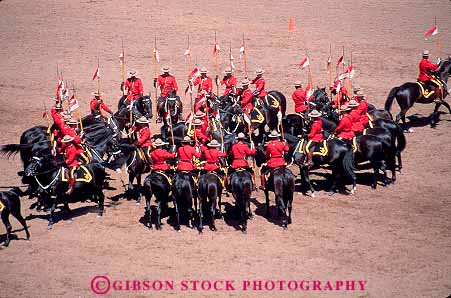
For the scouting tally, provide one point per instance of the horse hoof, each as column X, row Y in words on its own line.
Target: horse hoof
column 285, row 227
column 213, row 229
column 138, row 203
column 201, row 230
column 49, row 227
column 244, row 231
column 410, row 130
column 353, row 191
column 313, row 195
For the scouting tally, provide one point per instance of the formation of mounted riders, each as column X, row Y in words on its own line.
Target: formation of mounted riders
column 220, row 144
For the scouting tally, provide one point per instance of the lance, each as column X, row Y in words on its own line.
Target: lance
column 189, row 70
column 155, row 63
column 122, row 61
column 216, row 64
column 310, row 81
column 58, row 98
column 349, row 76
column 78, row 110
column 47, row 116
column 329, row 65
column 437, row 40
column 172, row 131
column 244, row 59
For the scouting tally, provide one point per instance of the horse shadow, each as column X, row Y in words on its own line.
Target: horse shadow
column 13, row 236
column 62, row 214
column 167, row 213
column 417, row 120
column 231, row 215
column 260, row 210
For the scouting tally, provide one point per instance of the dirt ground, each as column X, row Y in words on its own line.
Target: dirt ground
column 397, row 239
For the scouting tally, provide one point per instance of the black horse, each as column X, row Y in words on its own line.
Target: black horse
column 48, row 174
column 185, row 193
column 241, row 186
column 409, row 93
column 126, row 114
column 277, row 100
column 169, row 106
column 159, row 185
column 337, row 154
column 281, row 182
column 210, row 190
column 10, row 200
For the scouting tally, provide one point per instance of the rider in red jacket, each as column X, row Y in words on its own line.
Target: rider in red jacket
column 97, row 104
column 212, row 155
column 259, row 83
column 315, row 136
column 354, row 115
column 186, row 154
column 134, row 86
column 229, row 81
column 143, row 135
column 344, row 127
column 159, row 157
column 246, row 97
column 71, row 153
column 299, row 97
column 275, row 153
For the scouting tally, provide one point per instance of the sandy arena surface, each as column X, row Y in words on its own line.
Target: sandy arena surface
column 396, row 238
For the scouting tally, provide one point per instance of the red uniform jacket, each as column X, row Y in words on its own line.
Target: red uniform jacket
column 299, row 98
column 159, row 157
column 228, row 82
column 212, row 156
column 134, row 88
column 426, row 69
column 200, row 135
column 344, row 128
column 246, row 100
column 316, row 132
column 144, row 137
column 72, row 153
column 167, row 84
column 57, row 118
column 186, row 154
column 66, row 130
column 342, row 96
column 274, row 152
column 96, row 105
column 354, row 115
column 260, row 86
column 363, row 109
column 204, row 84
column 239, row 153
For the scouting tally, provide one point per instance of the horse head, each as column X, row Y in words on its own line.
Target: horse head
column 39, row 165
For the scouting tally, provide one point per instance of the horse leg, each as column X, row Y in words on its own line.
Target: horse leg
column 101, row 198
column 148, row 213
column 384, row 171
column 19, row 217
column 283, row 211
column 5, row 219
column 290, row 207
column 213, row 214
column 201, row 216
column 307, row 178
column 177, row 214
column 139, row 190
column 267, row 203
column 131, row 177
column 375, row 174
column 249, row 211
column 219, row 204
column 434, row 116
column 159, row 207
column 447, row 106
column 243, row 215
column 51, row 214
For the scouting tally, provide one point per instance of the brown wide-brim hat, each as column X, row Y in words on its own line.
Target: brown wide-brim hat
column 142, row 120
column 165, row 69
column 72, row 121
column 187, row 139
column 240, row 135
column 203, row 70
column 198, row 122
column 199, row 114
column 245, row 82
column 213, row 143
column 314, row 114
column 96, row 93
column 274, row 134
column 297, row 84
column 159, row 142
column 67, row 139
column 58, row 106
column 132, row 73
column 425, row 53
column 352, row 103
column 344, row 109
column 228, row 70
column 259, row 71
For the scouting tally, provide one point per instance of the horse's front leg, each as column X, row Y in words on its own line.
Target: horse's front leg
column 201, row 216
column 51, row 214
column 213, row 213
column 101, row 206
column 434, row 116
column 5, row 219
column 177, row 215
column 267, row 203
column 131, row 190
column 306, row 174
column 138, row 189
column 148, row 213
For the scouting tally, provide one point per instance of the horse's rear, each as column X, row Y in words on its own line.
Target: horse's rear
column 282, row 181
column 183, row 191
column 241, row 185
column 210, row 189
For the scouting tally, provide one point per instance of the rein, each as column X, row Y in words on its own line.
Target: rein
column 51, row 183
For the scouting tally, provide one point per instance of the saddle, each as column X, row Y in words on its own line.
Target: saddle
column 318, row 149
column 426, row 89
column 81, row 174
column 273, row 103
column 2, row 206
column 165, row 175
column 221, row 179
column 259, row 118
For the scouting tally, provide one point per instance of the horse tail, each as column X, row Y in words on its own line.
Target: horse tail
column 348, row 164
column 391, row 96
column 12, row 149
column 212, row 191
column 401, row 139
